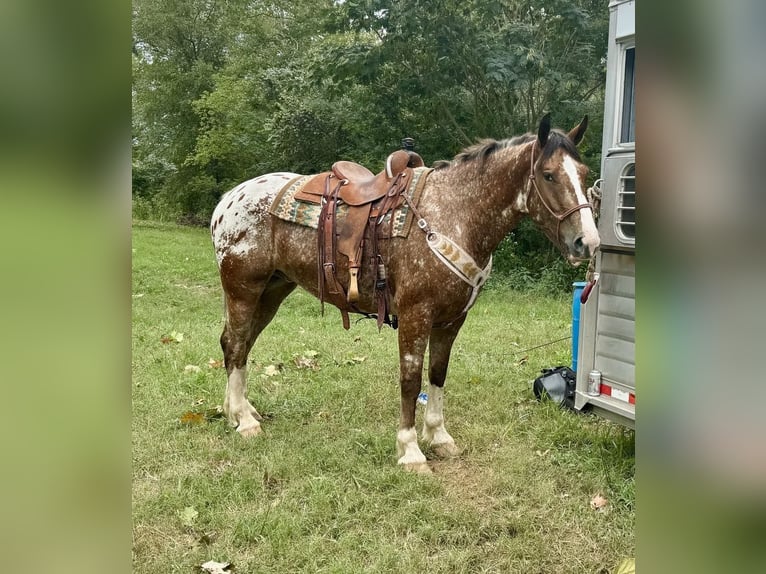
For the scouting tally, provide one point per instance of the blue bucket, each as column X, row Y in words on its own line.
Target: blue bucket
column 578, row 288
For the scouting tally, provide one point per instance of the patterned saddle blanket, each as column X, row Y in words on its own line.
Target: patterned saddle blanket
column 286, row 207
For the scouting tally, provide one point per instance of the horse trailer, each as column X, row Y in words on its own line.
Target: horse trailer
column 607, row 323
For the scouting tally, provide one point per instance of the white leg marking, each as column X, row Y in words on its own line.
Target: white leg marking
column 433, row 424
column 236, row 406
column 590, row 233
column 408, row 451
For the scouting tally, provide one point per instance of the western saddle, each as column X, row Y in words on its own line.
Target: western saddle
column 369, row 198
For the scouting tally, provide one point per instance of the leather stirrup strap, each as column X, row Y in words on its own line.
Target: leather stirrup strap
column 326, row 243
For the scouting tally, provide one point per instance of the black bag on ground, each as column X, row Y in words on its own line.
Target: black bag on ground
column 558, row 385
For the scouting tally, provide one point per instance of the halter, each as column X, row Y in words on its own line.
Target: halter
column 560, row 217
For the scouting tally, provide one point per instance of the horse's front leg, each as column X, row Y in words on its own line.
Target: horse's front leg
column 413, row 339
column 433, row 422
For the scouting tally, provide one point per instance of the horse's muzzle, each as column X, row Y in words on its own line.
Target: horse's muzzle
column 582, row 248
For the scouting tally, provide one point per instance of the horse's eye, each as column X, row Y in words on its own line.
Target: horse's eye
column 548, row 176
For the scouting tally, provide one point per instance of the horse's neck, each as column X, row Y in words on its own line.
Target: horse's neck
column 481, row 204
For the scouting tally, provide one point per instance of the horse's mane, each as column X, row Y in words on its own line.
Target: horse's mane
column 482, row 150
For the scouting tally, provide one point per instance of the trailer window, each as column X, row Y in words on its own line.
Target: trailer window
column 626, row 204
column 628, row 125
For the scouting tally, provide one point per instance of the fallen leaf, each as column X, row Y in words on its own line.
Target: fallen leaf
column 216, row 567
column 306, row 363
column 357, row 339
column 174, row 337
column 522, row 360
column 598, row 502
column 208, row 537
column 271, row 370
column 191, row 369
column 359, row 359
column 192, row 418
column 543, row 453
column 213, row 364
column 189, row 515
column 214, row 413
column 627, row 566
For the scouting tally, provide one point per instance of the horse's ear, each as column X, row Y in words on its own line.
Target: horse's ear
column 544, row 130
column 578, row 132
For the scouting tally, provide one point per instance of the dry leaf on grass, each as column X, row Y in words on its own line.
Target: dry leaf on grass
column 523, row 360
column 213, row 364
column 191, row 369
column 353, row 361
column 174, row 337
column 199, row 417
column 598, row 502
column 627, row 566
column 192, row 418
column 189, row 515
column 213, row 567
column 306, row 363
column 271, row 370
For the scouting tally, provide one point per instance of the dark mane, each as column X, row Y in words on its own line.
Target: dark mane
column 482, row 150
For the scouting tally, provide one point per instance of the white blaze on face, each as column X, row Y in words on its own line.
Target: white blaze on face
column 590, row 233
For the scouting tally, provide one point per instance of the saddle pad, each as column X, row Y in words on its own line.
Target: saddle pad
column 286, row 207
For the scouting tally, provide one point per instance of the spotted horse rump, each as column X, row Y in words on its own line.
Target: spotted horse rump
column 427, row 250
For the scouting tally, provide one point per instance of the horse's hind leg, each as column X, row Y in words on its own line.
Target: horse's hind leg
column 433, row 422
column 245, row 320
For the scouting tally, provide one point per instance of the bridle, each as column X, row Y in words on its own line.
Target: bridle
column 562, row 216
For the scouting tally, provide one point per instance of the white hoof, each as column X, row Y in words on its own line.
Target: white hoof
column 446, row 450
column 418, row 467
column 252, row 430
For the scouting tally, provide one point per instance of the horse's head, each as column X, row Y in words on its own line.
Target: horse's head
column 555, row 196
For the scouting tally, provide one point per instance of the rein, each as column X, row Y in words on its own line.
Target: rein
column 559, row 217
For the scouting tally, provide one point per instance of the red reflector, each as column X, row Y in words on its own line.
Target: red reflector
column 623, row 396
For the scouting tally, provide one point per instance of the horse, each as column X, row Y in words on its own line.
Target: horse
column 473, row 201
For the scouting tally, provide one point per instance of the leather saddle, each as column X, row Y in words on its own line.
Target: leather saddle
column 368, row 197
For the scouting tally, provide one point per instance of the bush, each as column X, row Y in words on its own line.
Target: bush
column 525, row 260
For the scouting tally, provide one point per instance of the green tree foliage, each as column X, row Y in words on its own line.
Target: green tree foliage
column 224, row 91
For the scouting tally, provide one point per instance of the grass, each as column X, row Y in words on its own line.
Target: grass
column 320, row 491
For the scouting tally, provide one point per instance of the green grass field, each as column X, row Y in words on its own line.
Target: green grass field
column 320, row 490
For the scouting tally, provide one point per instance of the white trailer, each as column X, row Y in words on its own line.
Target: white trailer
column 607, row 323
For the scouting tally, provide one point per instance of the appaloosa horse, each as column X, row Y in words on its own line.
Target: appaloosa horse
column 473, row 202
